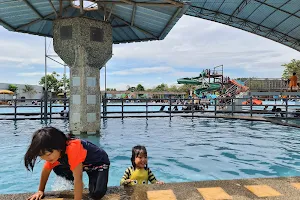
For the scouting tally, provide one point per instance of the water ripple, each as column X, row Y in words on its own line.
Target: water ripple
column 184, row 149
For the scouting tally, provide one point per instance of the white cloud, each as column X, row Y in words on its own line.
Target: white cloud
column 20, row 54
column 185, row 74
column 193, row 43
column 143, row 70
column 39, row 74
column 56, row 66
column 29, row 74
column 200, row 44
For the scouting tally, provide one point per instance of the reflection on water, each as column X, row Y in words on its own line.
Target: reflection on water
column 184, row 149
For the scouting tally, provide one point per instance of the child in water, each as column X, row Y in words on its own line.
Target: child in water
column 139, row 173
column 68, row 157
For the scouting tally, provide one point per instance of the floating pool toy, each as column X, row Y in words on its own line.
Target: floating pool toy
column 254, row 102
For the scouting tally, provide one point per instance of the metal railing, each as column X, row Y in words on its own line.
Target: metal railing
column 31, row 113
column 275, row 107
column 166, row 107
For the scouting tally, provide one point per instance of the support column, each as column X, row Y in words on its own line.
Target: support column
column 85, row 45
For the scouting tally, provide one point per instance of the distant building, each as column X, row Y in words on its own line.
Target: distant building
column 37, row 94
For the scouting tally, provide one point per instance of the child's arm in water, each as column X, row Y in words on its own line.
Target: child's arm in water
column 78, row 185
column 43, row 181
column 125, row 179
column 152, row 178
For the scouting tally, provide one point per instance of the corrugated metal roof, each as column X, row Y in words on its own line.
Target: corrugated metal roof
column 278, row 20
column 143, row 20
column 132, row 21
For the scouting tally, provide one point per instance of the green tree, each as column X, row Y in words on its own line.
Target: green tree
column 139, row 87
column 290, row 68
column 29, row 89
column 160, row 88
column 12, row 87
column 52, row 82
column 64, row 80
column 186, row 88
column 173, row 88
column 111, row 89
column 131, row 89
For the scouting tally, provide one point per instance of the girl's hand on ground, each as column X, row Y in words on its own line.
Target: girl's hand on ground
column 128, row 181
column 160, row 182
column 37, row 196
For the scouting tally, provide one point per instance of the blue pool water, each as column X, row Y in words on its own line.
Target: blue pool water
column 127, row 107
column 117, row 107
column 184, row 149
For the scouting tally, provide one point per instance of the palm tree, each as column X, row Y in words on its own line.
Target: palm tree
column 30, row 90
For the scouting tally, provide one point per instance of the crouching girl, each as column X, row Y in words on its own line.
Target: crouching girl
column 68, row 157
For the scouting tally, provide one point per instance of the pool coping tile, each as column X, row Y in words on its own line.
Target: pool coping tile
column 161, row 195
column 296, row 185
column 262, row 190
column 214, row 193
column 111, row 197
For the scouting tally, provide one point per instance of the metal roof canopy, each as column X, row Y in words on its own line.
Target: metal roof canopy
column 132, row 21
column 278, row 20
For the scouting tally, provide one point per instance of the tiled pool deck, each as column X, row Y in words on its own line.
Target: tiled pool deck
column 243, row 189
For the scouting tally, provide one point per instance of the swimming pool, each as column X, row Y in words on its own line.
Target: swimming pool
column 141, row 106
column 180, row 150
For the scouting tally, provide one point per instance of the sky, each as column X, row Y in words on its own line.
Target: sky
column 192, row 45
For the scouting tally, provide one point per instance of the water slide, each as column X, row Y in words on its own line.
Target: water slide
column 209, row 88
column 206, row 87
column 244, row 89
column 240, row 84
column 188, row 81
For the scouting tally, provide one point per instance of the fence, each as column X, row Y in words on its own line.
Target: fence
column 284, row 108
column 242, row 106
column 35, row 109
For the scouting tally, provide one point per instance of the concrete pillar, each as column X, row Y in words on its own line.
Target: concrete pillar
column 85, row 45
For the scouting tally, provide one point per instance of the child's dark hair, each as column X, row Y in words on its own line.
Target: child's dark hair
column 45, row 139
column 294, row 73
column 136, row 151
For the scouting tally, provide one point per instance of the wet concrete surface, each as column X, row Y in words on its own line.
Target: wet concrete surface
column 284, row 189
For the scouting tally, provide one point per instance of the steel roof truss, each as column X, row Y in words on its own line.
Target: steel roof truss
column 242, row 5
column 170, row 22
column 8, row 25
column 221, row 5
column 264, row 3
column 170, row 2
column 254, row 11
column 56, row 14
column 175, row 3
column 133, row 14
column 37, row 20
column 238, row 19
column 33, row 9
column 129, row 24
column 232, row 21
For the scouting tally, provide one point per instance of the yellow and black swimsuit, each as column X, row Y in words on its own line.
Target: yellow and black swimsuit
column 139, row 176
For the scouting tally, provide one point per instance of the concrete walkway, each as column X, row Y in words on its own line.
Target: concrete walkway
column 245, row 189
